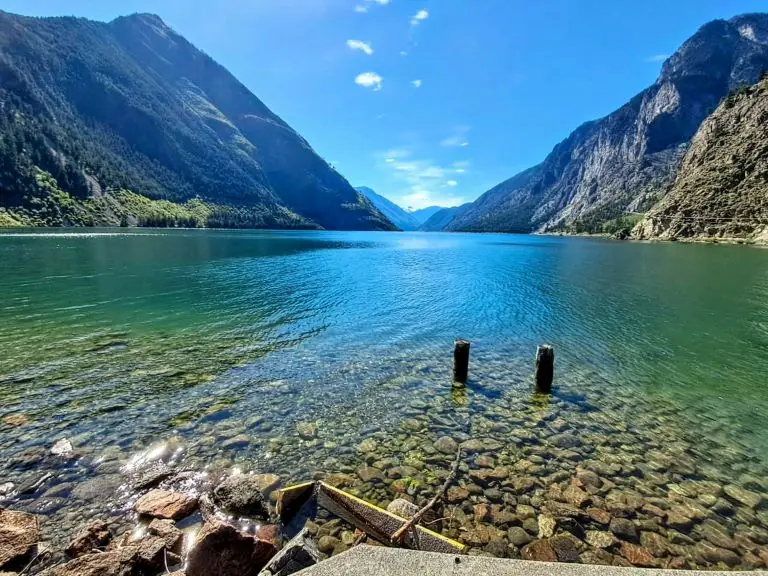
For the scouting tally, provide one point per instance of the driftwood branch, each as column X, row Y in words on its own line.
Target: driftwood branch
column 397, row 536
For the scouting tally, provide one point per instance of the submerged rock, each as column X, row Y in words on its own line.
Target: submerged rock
column 164, row 504
column 112, row 563
column 402, row 508
column 19, row 534
column 446, row 445
column 306, row 430
column 62, row 448
column 746, row 497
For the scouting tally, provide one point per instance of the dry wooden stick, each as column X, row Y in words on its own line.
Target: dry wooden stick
column 397, row 536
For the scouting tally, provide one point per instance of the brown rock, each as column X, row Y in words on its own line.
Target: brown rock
column 172, row 536
column 339, row 480
column 746, row 497
column 485, row 462
column 716, row 535
column 710, row 553
column 565, row 547
column 638, row 556
column 576, row 496
column 111, row 563
column 501, row 516
column 368, row 474
column 654, row 543
column 221, row 550
column 19, row 534
column 599, row 557
column 676, row 520
column 599, row 516
column 457, row 494
column 15, row 420
column 482, row 512
column 540, row 551
column 623, row 528
column 485, row 477
column 96, row 535
column 164, row 504
column 327, row 544
column 518, row 536
column 588, row 478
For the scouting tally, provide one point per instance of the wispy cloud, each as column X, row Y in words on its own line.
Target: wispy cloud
column 425, row 182
column 458, row 138
column 363, row 7
column 416, row 83
column 369, row 80
column 420, row 16
column 360, row 45
column 657, row 58
column 403, row 53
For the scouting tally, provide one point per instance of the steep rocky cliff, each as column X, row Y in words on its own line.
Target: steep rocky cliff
column 127, row 122
column 626, row 161
column 721, row 189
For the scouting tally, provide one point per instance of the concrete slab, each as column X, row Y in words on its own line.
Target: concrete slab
column 380, row 561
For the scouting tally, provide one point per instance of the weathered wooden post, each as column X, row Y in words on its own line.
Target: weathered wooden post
column 545, row 369
column 460, row 361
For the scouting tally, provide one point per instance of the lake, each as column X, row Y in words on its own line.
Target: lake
column 207, row 348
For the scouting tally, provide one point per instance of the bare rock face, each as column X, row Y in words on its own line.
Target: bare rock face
column 19, row 534
column 95, row 535
column 720, row 190
column 164, row 504
column 221, row 550
column 626, row 161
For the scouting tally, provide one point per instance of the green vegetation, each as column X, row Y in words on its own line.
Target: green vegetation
column 619, row 227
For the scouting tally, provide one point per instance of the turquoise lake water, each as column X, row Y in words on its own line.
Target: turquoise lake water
column 118, row 340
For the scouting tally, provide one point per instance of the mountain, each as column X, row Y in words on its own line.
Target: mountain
column 441, row 218
column 399, row 217
column 423, row 214
column 127, row 123
column 721, row 189
column 626, row 161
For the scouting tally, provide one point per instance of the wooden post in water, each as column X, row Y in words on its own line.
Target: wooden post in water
column 460, row 361
column 545, row 369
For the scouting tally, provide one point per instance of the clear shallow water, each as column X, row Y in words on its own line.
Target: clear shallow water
column 221, row 342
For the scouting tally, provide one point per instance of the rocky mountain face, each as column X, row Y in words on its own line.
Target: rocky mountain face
column 721, row 189
column 103, row 123
column 392, row 211
column 626, row 161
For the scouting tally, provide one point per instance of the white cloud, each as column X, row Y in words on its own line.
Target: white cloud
column 363, row 7
column 657, row 58
column 416, row 83
column 360, row 45
column 457, row 139
column 403, row 53
column 369, row 80
column 425, row 182
column 418, row 17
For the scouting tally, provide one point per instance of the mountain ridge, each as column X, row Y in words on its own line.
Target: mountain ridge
column 626, row 161
column 93, row 108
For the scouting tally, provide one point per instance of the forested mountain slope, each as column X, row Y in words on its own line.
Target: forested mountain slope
column 127, row 122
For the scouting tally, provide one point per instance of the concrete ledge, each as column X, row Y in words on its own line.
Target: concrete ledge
column 380, row 561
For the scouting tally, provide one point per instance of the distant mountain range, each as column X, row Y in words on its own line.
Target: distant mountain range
column 127, row 123
column 403, row 219
column 627, row 161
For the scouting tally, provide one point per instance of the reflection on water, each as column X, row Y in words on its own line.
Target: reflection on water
column 219, row 343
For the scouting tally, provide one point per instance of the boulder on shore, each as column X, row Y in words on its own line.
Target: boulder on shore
column 222, row 550
column 95, row 535
column 164, row 504
column 241, row 495
column 19, row 534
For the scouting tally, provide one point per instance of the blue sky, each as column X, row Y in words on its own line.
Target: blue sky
column 430, row 101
